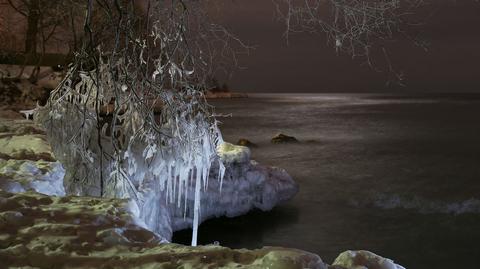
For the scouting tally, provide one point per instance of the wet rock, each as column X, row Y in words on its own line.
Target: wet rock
column 363, row 259
column 246, row 143
column 282, row 138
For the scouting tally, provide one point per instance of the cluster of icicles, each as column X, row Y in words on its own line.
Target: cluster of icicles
column 172, row 157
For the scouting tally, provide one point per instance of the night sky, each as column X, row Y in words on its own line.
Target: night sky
column 308, row 64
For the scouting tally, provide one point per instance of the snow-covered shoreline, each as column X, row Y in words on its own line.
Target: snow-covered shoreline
column 50, row 229
column 246, row 185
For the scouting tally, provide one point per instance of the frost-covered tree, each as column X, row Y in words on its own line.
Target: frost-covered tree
column 362, row 29
column 130, row 114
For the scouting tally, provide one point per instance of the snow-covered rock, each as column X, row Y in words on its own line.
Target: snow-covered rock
column 39, row 231
column 22, row 140
column 363, row 259
column 246, row 186
column 14, row 146
column 26, row 160
column 40, row 176
column 230, row 153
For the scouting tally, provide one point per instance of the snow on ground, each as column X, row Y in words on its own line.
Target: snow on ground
column 26, row 161
column 42, row 231
column 21, row 139
column 41, row 176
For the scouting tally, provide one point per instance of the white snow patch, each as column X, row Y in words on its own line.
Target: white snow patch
column 40, row 176
column 363, row 259
column 230, row 153
column 13, row 145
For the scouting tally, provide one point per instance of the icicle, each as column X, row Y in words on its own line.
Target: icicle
column 186, row 194
column 196, row 207
column 221, row 173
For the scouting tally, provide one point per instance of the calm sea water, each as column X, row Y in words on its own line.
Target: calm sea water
column 395, row 174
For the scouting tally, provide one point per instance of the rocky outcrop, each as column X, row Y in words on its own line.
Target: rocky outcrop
column 246, row 143
column 362, row 259
column 281, row 138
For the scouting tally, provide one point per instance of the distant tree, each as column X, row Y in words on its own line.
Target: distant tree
column 360, row 28
column 47, row 23
column 225, row 87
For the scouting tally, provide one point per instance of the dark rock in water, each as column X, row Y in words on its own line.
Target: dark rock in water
column 281, row 138
column 246, row 143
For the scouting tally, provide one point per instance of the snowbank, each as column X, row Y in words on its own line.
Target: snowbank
column 41, row 231
column 26, row 160
column 40, row 176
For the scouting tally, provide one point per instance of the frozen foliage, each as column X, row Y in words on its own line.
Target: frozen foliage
column 137, row 153
column 363, row 260
column 363, row 29
column 130, row 118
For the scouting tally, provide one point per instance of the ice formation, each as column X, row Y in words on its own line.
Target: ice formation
column 130, row 117
column 246, row 184
column 137, row 152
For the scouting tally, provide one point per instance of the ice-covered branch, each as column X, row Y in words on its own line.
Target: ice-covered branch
column 131, row 109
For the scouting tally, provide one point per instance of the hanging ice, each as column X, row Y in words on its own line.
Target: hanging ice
column 166, row 152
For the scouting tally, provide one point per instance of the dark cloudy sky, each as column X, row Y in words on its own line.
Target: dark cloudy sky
column 307, row 64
